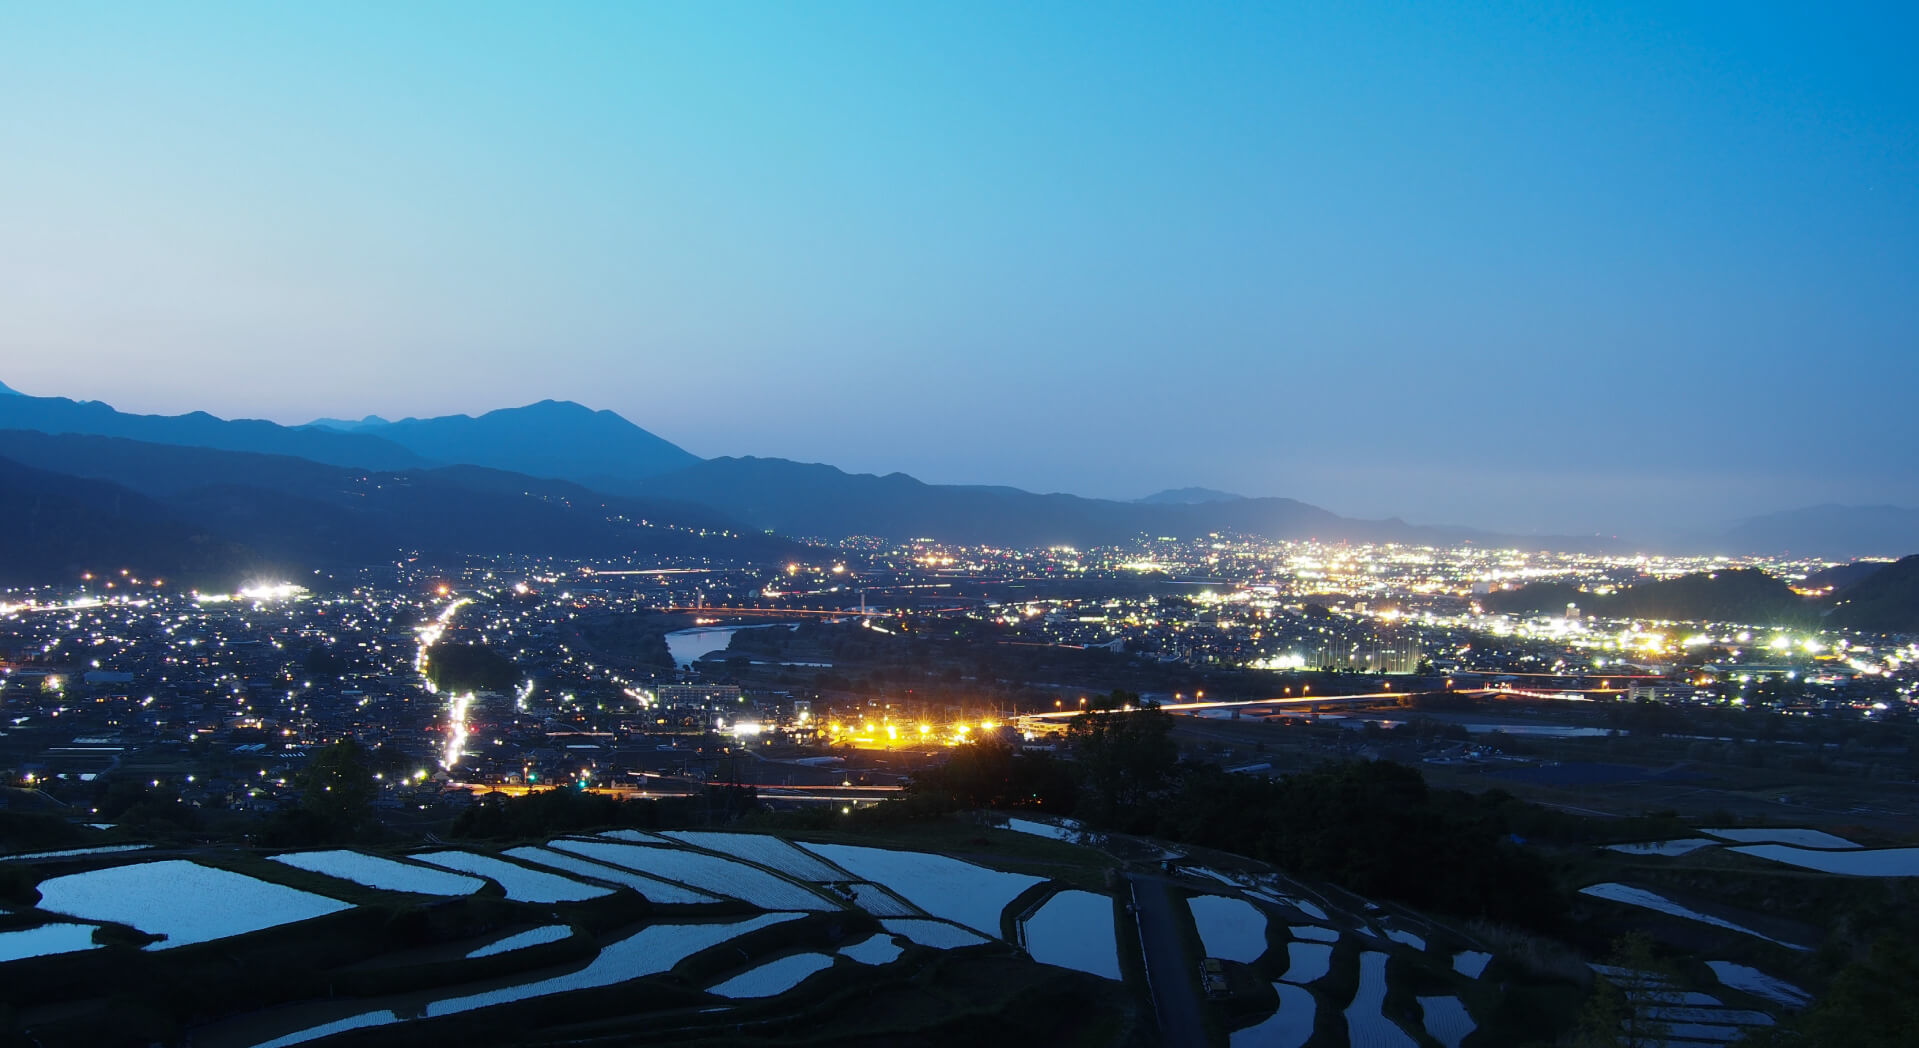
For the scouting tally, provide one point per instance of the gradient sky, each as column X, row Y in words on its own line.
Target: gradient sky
column 1523, row 266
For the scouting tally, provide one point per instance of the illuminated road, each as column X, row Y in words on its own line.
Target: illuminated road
column 678, row 787
column 838, row 613
column 1053, row 718
column 457, row 705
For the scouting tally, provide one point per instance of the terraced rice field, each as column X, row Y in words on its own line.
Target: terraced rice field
column 1289, row 1027
column 1446, row 1019
column 1631, row 896
column 1798, row 838
column 711, row 872
column 1667, row 848
column 938, row 935
column 1366, row 1025
column 1688, row 1017
column 1876, row 862
column 521, row 884
column 532, row 937
column 106, row 849
column 1074, row 929
column 376, row 871
column 1406, row 938
column 958, row 891
column 652, row 888
column 775, row 977
column 650, row 951
column 874, row 949
column 1307, row 961
column 635, row 837
column 1759, row 984
column 184, row 901
column 1471, row 963
column 45, row 941
column 878, row 901
column 770, row 852
column 1232, row 929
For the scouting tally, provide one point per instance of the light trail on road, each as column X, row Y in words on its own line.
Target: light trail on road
column 457, row 705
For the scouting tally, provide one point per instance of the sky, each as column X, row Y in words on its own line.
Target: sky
column 1525, row 266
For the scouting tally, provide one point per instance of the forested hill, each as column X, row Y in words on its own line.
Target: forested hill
column 1743, row 595
column 56, row 527
column 1887, row 599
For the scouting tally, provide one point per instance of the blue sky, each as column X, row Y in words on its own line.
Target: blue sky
column 1525, row 266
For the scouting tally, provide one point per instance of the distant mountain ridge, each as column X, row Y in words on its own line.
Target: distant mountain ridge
column 297, row 514
column 557, row 439
column 199, row 429
column 551, row 438
column 1189, row 497
column 605, row 452
column 821, row 501
column 346, row 426
column 1828, row 530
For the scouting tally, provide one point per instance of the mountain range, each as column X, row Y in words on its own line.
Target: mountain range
column 553, row 438
column 160, row 508
column 563, row 454
column 1829, row 530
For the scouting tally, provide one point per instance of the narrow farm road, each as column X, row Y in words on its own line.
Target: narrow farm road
column 1176, row 1000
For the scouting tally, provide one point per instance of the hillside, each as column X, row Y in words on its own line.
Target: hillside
column 1842, row 577
column 1887, row 599
column 299, row 513
column 55, row 527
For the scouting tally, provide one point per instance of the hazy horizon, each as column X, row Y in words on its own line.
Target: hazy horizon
column 1537, row 271
column 1652, row 532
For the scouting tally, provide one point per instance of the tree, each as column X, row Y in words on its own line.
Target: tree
column 337, row 787
column 470, row 667
column 990, row 774
column 1624, row 1009
column 1870, row 1004
column 1124, row 757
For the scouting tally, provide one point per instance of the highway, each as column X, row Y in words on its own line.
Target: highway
column 1053, row 718
column 658, row 786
